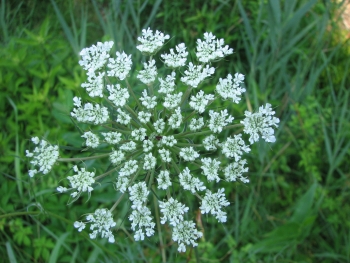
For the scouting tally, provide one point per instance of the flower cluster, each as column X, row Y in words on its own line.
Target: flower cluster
column 82, row 182
column 164, row 138
column 44, row 156
column 101, row 223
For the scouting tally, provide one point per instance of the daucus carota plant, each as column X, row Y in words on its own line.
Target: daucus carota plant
column 165, row 140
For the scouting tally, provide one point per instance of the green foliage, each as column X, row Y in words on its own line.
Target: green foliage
column 296, row 207
column 42, row 248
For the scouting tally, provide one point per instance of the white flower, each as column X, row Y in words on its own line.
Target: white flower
column 188, row 154
column 196, row 124
column 188, row 182
column 89, row 113
column 260, row 123
column 141, row 218
column 185, row 233
column 218, row 120
column 35, row 140
column 101, row 223
column 139, row 235
column 139, row 134
column 120, row 66
column 175, row 119
column 138, row 194
column 79, row 225
column 200, row 101
column 210, row 143
column 230, row 88
column 61, row 189
column 129, row 168
column 44, row 156
column 149, row 162
column 172, row 211
column 147, row 101
column 92, row 140
column 77, row 102
column 112, row 137
column 31, row 173
column 165, row 155
column 128, row 146
column 122, row 183
column 168, row 85
column 95, row 57
column 196, row 74
column 234, row 147
column 123, row 118
column 116, row 157
column 174, row 60
column 155, row 138
column 81, row 181
column 144, row 116
column 147, row 145
column 118, row 95
column 151, row 43
column 211, row 48
column 213, row 203
column 163, row 180
column 149, row 74
column 159, row 126
column 235, row 170
column 210, row 168
column 94, row 86
column 168, row 140
column 171, row 101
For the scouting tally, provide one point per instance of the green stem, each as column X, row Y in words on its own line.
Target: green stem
column 233, row 126
column 188, row 134
column 150, row 90
column 198, row 196
column 106, row 173
column 189, row 116
column 82, row 158
column 124, row 129
column 133, row 94
column 159, row 228
column 117, row 202
column 135, row 124
column 188, row 144
column 121, row 197
column 20, row 214
column 175, row 166
column 131, row 111
column 186, row 95
column 196, row 254
column 151, row 179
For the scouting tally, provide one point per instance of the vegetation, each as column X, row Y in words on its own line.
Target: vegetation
column 294, row 54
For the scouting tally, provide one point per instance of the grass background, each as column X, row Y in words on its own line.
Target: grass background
column 294, row 54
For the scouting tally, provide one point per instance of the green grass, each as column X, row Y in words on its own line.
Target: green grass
column 293, row 54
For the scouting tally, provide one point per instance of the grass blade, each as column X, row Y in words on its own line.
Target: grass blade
column 66, row 29
column 10, row 253
column 17, row 159
column 55, row 252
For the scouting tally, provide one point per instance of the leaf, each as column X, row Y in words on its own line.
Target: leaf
column 303, row 206
column 279, row 239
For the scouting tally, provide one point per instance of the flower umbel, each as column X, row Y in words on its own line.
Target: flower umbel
column 44, row 156
column 160, row 136
column 101, row 223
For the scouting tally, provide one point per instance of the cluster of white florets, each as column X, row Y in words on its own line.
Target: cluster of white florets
column 161, row 132
column 101, row 223
column 44, row 156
